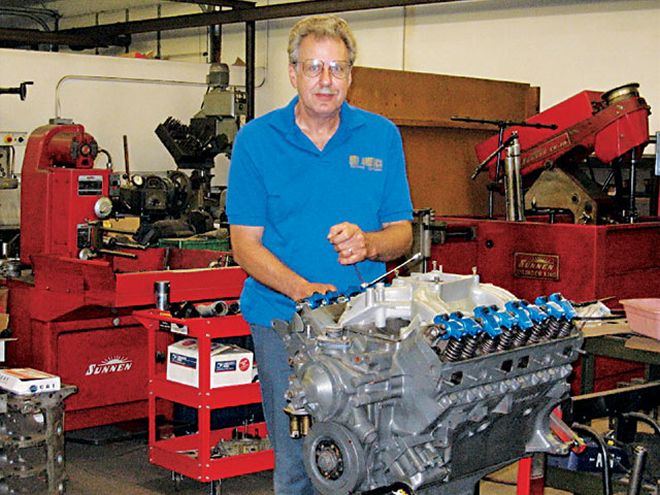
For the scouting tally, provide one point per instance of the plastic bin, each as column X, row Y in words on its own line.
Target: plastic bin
column 643, row 316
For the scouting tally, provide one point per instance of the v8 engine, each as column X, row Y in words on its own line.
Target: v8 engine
column 427, row 384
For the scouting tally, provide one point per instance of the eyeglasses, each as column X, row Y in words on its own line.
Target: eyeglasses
column 313, row 67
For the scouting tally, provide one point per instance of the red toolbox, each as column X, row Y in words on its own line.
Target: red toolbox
column 583, row 262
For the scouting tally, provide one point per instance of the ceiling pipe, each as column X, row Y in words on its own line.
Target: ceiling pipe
column 268, row 12
column 119, row 33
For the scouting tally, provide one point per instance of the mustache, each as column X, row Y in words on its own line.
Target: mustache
column 326, row 91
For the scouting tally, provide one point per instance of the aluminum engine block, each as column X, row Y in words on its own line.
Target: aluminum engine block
column 425, row 385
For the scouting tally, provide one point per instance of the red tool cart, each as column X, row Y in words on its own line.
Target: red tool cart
column 191, row 454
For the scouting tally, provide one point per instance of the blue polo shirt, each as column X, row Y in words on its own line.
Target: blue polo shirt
column 279, row 180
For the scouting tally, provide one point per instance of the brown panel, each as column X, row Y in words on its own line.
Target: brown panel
column 439, row 151
column 439, row 163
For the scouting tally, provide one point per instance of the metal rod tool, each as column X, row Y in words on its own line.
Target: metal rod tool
column 416, row 257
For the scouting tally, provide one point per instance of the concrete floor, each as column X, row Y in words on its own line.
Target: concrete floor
column 123, row 468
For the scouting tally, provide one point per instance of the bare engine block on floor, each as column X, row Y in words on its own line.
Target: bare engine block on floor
column 32, row 442
column 428, row 384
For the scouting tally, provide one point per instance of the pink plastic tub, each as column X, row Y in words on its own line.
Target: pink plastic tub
column 643, row 316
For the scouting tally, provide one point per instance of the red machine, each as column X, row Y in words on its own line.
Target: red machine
column 560, row 247
column 608, row 124
column 60, row 190
column 72, row 316
column 613, row 126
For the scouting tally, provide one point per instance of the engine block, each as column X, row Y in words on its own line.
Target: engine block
column 425, row 385
column 32, row 442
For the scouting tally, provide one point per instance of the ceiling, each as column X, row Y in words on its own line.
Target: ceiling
column 77, row 7
column 119, row 33
column 20, row 29
column 25, row 3
column 35, row 22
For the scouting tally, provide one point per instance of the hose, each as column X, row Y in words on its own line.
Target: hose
column 644, row 418
column 607, row 475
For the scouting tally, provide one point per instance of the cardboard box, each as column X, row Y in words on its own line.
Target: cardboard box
column 3, row 345
column 23, row 381
column 230, row 364
column 4, row 294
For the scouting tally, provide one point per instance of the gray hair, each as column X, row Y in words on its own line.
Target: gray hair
column 321, row 26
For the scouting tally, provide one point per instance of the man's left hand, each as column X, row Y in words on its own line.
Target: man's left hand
column 350, row 241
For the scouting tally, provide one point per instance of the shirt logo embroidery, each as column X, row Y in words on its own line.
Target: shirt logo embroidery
column 366, row 162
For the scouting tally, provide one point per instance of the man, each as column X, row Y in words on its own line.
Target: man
column 317, row 199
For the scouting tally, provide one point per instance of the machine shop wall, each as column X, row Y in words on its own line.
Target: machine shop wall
column 561, row 46
column 108, row 109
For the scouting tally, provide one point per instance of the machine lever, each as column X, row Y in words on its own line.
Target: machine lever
column 20, row 90
column 130, row 245
column 117, row 253
column 480, row 168
column 506, row 123
column 501, row 124
column 127, row 164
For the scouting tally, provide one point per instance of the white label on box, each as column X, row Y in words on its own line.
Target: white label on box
column 223, row 366
column 230, row 364
column 181, row 360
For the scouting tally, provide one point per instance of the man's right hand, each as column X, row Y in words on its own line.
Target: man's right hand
column 264, row 266
column 307, row 289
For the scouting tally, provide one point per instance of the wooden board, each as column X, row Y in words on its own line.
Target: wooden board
column 440, row 152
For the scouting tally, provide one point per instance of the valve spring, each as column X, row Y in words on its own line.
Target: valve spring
column 554, row 327
column 537, row 333
column 470, row 348
column 488, row 344
column 566, row 328
column 453, row 350
column 506, row 339
column 520, row 337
